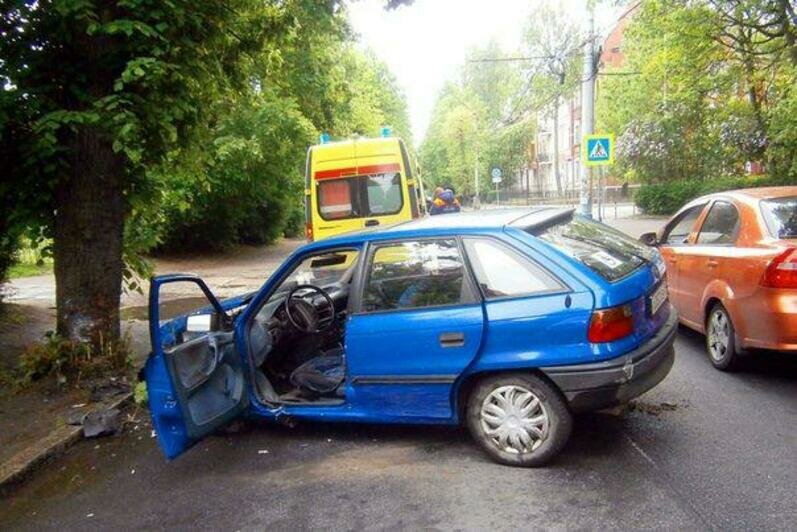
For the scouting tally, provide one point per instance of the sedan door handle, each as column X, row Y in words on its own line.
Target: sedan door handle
column 712, row 263
column 371, row 223
column 452, row 339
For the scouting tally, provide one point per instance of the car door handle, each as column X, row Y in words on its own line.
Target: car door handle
column 712, row 263
column 371, row 223
column 452, row 339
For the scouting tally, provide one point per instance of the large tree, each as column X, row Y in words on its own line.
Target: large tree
column 129, row 124
column 708, row 86
column 101, row 91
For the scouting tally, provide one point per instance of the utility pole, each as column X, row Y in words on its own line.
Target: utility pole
column 587, row 112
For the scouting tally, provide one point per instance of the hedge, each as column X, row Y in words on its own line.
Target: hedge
column 666, row 198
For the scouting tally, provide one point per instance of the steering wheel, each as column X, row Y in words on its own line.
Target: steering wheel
column 305, row 316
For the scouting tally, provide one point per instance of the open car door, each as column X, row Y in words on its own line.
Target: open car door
column 195, row 378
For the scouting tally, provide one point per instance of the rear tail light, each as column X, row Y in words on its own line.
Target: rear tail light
column 607, row 325
column 782, row 271
column 308, row 231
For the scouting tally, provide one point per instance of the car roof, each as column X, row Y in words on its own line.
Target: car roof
column 453, row 224
column 753, row 195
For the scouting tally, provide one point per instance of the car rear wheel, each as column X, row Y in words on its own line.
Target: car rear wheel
column 721, row 343
column 519, row 419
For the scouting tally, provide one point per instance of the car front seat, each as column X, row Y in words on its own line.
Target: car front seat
column 321, row 375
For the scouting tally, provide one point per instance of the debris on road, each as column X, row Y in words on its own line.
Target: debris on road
column 653, row 409
column 101, row 423
column 108, row 389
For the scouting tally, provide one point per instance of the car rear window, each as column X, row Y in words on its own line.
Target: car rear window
column 780, row 215
column 606, row 251
column 358, row 196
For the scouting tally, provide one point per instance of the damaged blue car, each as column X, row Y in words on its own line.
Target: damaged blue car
column 506, row 321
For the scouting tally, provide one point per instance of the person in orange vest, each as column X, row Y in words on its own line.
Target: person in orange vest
column 444, row 202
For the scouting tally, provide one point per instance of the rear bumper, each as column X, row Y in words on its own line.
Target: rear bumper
column 767, row 319
column 612, row 382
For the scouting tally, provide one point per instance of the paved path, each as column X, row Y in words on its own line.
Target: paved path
column 722, row 459
column 238, row 270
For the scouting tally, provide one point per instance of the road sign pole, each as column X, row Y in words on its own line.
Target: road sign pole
column 587, row 113
column 496, row 175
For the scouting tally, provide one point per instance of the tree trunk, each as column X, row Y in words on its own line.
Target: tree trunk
column 556, row 146
column 89, row 224
column 787, row 17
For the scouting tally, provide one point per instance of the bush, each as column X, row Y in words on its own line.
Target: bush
column 70, row 362
column 294, row 225
column 666, row 198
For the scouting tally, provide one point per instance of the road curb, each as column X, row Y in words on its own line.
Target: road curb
column 19, row 466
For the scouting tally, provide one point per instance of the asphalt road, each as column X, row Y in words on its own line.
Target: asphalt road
column 704, row 450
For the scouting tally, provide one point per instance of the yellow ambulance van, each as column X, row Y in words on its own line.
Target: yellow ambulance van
column 364, row 182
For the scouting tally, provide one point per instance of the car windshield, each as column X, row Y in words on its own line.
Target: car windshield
column 319, row 270
column 604, row 250
column 780, row 215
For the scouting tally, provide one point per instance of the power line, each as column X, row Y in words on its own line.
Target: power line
column 501, row 59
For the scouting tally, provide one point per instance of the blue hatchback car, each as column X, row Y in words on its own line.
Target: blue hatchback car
column 507, row 321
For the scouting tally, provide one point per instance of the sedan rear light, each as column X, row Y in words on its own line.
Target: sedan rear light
column 607, row 325
column 782, row 271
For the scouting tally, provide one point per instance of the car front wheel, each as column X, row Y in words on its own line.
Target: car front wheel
column 519, row 419
column 721, row 343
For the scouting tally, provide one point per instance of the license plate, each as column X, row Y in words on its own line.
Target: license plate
column 657, row 298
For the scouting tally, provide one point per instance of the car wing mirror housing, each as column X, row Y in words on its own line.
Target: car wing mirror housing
column 199, row 323
column 649, row 239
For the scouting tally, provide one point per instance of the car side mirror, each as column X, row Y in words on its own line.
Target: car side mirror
column 649, row 239
column 205, row 323
column 199, row 323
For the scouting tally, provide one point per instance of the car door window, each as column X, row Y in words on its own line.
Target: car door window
column 502, row 272
column 721, row 224
column 426, row 273
column 679, row 229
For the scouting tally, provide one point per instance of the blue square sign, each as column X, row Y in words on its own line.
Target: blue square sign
column 598, row 150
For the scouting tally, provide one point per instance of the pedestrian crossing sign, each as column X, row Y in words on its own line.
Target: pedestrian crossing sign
column 598, row 150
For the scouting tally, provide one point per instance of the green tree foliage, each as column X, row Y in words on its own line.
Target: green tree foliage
column 128, row 124
column 489, row 118
column 243, row 182
column 708, row 86
column 101, row 91
column 477, row 123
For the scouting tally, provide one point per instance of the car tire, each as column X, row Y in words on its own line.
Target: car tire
column 519, row 419
column 722, row 346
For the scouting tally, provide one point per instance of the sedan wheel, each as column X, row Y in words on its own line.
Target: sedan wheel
column 519, row 419
column 514, row 419
column 721, row 338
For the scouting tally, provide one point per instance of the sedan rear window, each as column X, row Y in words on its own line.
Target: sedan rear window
column 606, row 251
column 780, row 215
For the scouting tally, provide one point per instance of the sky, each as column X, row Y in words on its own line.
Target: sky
column 425, row 43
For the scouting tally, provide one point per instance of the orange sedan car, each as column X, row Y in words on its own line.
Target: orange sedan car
column 732, row 270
